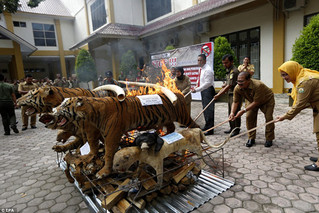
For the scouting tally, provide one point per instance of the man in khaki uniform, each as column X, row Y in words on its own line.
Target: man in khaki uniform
column 231, row 76
column 24, row 88
column 258, row 96
column 246, row 66
column 305, row 91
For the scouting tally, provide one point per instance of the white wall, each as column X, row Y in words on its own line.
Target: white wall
column 79, row 27
column 26, row 32
column 262, row 17
column 128, row 12
column 294, row 25
column 67, row 32
column 179, row 5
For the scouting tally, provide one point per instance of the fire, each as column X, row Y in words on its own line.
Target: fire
column 168, row 82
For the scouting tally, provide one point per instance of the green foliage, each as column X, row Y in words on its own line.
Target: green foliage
column 128, row 63
column 306, row 48
column 11, row 6
column 221, row 48
column 84, row 67
column 169, row 47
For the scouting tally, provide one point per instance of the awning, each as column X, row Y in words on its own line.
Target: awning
column 26, row 47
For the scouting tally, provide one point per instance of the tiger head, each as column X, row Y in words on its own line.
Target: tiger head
column 40, row 100
column 67, row 112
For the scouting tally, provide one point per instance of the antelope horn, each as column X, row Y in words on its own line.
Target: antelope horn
column 119, row 91
column 169, row 94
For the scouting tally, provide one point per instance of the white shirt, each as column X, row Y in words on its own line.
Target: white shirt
column 206, row 78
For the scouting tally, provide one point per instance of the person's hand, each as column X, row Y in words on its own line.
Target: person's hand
column 280, row 118
column 231, row 116
column 239, row 114
column 193, row 90
column 216, row 97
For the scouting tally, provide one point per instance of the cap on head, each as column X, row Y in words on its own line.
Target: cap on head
column 109, row 74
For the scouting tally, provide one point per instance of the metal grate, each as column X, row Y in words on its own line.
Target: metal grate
column 205, row 188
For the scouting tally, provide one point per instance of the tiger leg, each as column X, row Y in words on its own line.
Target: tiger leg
column 63, row 136
column 92, row 135
column 77, row 142
column 111, row 144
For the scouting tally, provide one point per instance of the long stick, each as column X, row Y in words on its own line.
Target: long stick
column 243, row 133
column 204, row 109
column 216, row 126
column 187, row 94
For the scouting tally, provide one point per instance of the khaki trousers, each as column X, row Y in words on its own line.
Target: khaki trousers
column 25, row 118
column 237, row 121
column 251, row 120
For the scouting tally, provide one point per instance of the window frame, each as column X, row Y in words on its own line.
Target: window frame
column 159, row 17
column 44, row 31
column 306, row 18
column 93, row 15
column 248, row 41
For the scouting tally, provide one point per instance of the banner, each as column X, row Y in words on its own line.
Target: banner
column 186, row 57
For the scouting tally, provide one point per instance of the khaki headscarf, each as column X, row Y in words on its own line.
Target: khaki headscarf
column 297, row 75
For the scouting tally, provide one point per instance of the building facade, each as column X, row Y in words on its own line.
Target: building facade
column 45, row 40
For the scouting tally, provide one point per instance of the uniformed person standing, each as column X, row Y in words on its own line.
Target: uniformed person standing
column 24, row 88
column 258, row 96
column 305, row 91
column 7, row 104
column 246, row 66
column 183, row 83
column 231, row 77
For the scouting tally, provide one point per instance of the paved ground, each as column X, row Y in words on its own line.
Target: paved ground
column 267, row 179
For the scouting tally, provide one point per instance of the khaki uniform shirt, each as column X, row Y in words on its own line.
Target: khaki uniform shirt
column 231, row 78
column 250, row 67
column 184, row 86
column 307, row 93
column 257, row 91
column 27, row 87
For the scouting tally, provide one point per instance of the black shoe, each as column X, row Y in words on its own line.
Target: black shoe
column 7, row 133
column 24, row 128
column 268, row 144
column 33, row 127
column 313, row 159
column 209, row 133
column 228, row 131
column 235, row 132
column 250, row 142
column 15, row 130
column 312, row 167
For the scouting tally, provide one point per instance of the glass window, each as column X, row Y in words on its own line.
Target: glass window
column 307, row 18
column 246, row 43
column 98, row 14
column 44, row 34
column 19, row 24
column 157, row 8
column 16, row 24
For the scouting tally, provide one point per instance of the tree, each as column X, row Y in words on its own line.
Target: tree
column 128, row 63
column 221, row 48
column 169, row 47
column 11, row 6
column 85, row 68
column 306, row 48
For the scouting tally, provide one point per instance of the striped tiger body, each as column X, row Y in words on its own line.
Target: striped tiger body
column 113, row 119
column 44, row 99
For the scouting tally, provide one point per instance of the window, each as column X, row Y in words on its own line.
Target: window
column 246, row 43
column 98, row 14
column 157, row 8
column 19, row 24
column 4, row 37
column 307, row 18
column 44, row 35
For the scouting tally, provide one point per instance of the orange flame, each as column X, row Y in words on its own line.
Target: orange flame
column 168, row 82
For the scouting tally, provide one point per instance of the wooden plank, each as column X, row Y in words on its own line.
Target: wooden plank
column 112, row 199
column 123, row 205
column 147, row 181
column 182, row 172
column 139, row 203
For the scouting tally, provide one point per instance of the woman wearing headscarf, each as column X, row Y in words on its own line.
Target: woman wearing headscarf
column 183, row 83
column 305, row 91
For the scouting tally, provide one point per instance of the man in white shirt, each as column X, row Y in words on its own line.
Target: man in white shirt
column 205, row 85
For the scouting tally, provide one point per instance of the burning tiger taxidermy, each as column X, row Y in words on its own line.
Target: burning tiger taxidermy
column 113, row 118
